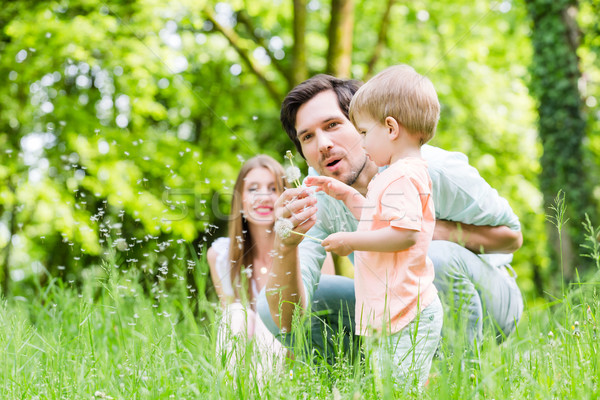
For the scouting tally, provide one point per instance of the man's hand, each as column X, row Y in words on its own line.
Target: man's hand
column 339, row 243
column 299, row 207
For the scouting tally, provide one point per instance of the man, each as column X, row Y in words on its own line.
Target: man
column 468, row 211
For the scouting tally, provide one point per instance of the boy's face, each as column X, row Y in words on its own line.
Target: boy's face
column 330, row 143
column 376, row 141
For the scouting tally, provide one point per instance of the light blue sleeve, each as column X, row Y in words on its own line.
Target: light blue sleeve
column 332, row 216
column 460, row 194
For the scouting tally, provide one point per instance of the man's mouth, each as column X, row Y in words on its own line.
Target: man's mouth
column 332, row 164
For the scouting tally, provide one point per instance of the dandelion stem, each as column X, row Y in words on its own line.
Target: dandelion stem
column 308, row 236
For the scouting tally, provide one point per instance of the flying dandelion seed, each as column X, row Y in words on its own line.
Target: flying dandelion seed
column 121, row 244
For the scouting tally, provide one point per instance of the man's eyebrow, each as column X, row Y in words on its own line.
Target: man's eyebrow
column 327, row 119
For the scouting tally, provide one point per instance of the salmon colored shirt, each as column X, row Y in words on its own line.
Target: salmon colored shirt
column 392, row 287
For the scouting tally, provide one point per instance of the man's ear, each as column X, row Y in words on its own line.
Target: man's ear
column 393, row 127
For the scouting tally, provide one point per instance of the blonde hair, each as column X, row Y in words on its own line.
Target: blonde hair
column 403, row 94
column 241, row 243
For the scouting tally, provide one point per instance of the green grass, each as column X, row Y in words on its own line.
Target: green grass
column 119, row 336
column 110, row 339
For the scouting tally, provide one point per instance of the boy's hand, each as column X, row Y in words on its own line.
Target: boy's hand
column 339, row 243
column 339, row 191
column 332, row 187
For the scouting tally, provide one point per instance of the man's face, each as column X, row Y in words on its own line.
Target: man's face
column 330, row 143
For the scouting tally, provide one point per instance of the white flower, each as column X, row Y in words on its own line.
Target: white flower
column 292, row 173
column 283, row 228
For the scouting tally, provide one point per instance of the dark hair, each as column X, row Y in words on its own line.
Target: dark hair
column 343, row 88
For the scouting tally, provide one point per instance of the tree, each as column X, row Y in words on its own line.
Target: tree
column 128, row 120
column 562, row 124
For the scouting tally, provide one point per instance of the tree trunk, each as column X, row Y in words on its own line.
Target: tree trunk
column 6, row 264
column 339, row 55
column 300, row 71
column 381, row 39
column 562, row 126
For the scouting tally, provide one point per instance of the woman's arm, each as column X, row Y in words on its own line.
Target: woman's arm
column 211, row 257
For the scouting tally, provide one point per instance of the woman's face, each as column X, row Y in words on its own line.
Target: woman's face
column 259, row 196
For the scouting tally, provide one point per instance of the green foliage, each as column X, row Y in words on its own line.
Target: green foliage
column 110, row 128
column 128, row 120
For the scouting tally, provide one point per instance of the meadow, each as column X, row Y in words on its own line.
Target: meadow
column 115, row 337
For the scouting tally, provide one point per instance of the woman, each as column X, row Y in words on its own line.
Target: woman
column 240, row 264
column 240, row 271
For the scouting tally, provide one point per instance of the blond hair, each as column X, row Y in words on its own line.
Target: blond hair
column 241, row 243
column 403, row 94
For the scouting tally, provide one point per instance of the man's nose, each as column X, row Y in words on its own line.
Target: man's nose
column 325, row 143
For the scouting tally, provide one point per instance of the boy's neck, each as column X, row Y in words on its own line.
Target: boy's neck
column 404, row 148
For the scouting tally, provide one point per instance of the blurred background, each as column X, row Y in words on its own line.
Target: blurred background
column 123, row 123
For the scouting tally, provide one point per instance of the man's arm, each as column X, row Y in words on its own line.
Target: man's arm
column 284, row 289
column 479, row 239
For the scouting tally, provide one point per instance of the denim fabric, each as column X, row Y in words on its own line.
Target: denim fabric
column 330, row 321
column 472, row 289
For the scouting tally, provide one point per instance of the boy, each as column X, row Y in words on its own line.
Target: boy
column 396, row 112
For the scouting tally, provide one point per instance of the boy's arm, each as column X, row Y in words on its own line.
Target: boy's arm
column 339, row 191
column 381, row 240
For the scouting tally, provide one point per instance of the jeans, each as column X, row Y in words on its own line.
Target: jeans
column 471, row 290
column 331, row 321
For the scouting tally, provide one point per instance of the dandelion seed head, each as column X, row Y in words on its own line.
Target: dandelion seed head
column 283, row 228
column 292, row 173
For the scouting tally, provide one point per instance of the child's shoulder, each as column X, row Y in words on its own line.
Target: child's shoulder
column 407, row 167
